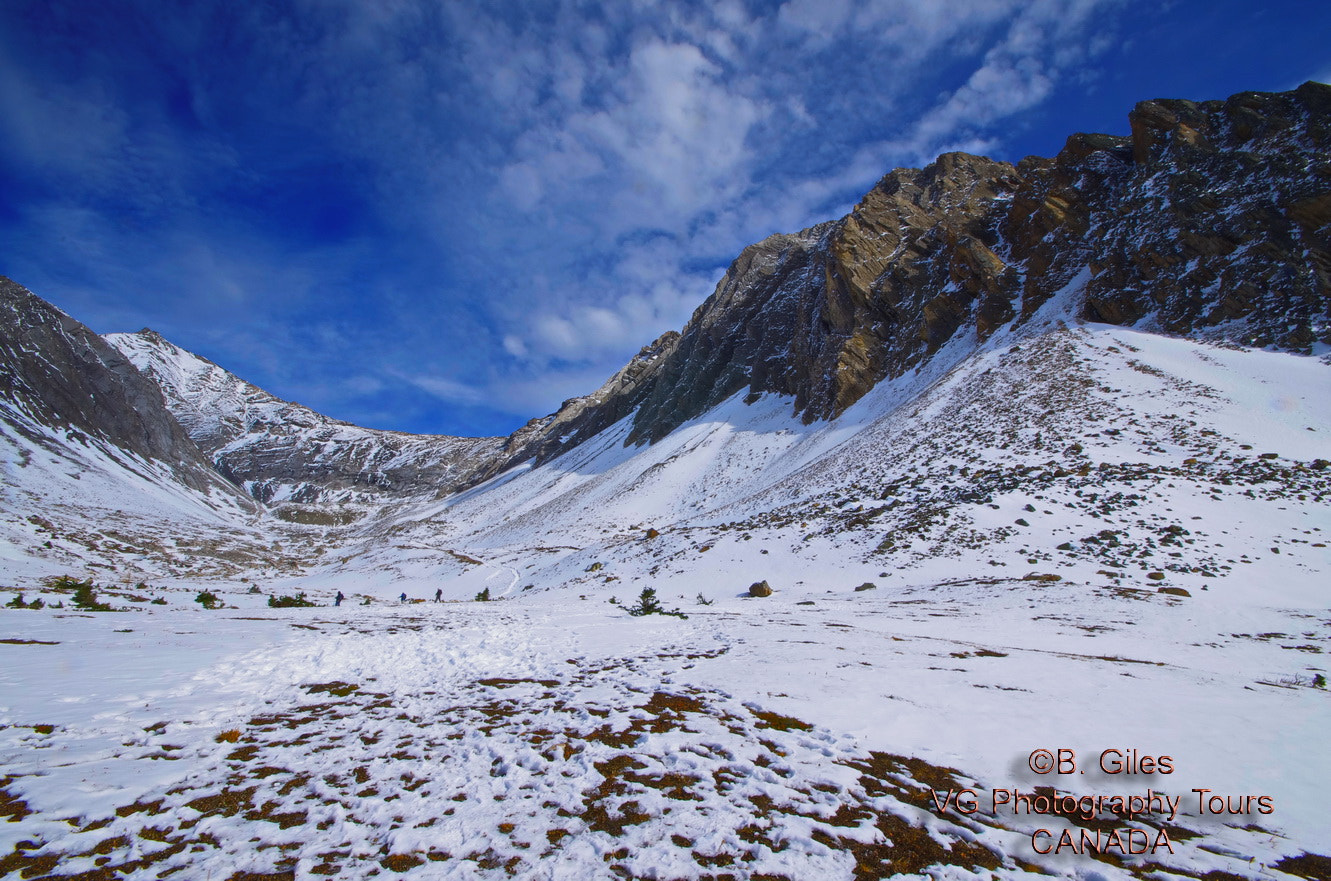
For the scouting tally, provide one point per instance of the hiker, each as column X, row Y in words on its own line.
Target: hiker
column 337, row 601
column 403, row 598
column 439, row 595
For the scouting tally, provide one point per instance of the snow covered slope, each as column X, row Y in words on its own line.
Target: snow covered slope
column 281, row 452
column 93, row 467
column 1063, row 448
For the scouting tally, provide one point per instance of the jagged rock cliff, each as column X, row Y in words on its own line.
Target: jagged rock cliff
column 282, row 452
column 56, row 374
column 1212, row 219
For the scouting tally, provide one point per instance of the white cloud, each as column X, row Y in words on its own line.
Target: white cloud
column 666, row 137
column 522, row 183
column 817, row 20
column 514, row 346
column 1042, row 41
column 444, row 388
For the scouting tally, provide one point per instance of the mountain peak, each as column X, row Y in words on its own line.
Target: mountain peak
column 61, row 376
column 283, row 453
column 151, row 336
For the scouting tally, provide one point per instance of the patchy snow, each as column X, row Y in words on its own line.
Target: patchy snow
column 1074, row 537
column 548, row 739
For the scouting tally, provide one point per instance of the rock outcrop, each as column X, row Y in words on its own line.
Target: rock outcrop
column 1212, row 219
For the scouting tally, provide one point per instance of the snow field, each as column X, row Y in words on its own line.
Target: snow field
column 1017, row 513
column 541, row 739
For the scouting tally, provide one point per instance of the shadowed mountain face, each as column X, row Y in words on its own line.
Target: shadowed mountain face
column 1212, row 220
column 56, row 374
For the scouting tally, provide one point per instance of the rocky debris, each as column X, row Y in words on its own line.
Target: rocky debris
column 760, row 589
column 924, row 490
column 1212, row 219
column 1174, row 591
column 56, row 373
column 868, row 585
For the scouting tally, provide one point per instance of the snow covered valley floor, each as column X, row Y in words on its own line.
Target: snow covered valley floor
column 807, row 735
column 1101, row 543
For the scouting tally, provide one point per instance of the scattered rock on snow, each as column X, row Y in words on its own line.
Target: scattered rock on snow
column 760, row 589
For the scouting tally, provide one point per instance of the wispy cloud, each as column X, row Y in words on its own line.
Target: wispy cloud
column 487, row 206
column 445, row 389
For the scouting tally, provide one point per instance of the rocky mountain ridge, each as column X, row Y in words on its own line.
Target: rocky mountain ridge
column 285, row 454
column 1212, row 219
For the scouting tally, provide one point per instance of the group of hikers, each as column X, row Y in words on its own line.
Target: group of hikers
column 438, row 597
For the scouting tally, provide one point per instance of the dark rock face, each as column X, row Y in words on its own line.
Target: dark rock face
column 279, row 451
column 1226, row 220
column 61, row 375
column 1211, row 220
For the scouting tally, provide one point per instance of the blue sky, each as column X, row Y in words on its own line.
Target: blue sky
column 448, row 216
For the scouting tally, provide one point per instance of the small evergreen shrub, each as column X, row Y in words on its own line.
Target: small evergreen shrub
column 483, row 596
column 648, row 604
column 289, row 602
column 208, row 600
column 85, row 593
column 18, row 603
